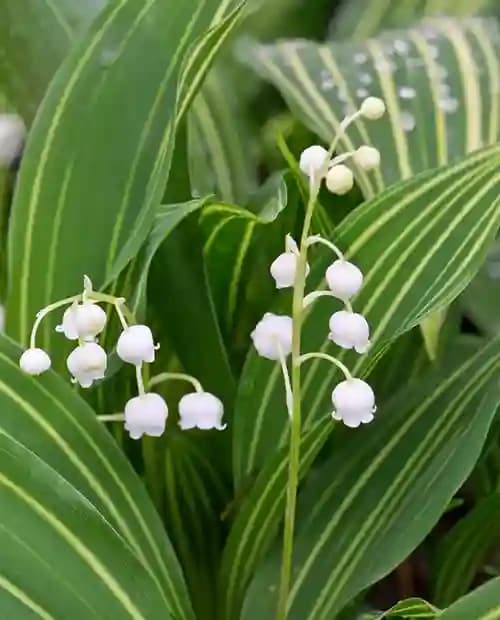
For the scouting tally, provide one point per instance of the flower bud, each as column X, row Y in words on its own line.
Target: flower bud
column 89, row 320
column 312, row 159
column 339, row 179
column 146, row 415
column 372, row 108
column 350, row 330
column 284, row 268
column 34, row 361
column 68, row 325
column 87, row 363
column 12, row 132
column 135, row 345
column 201, row 410
column 272, row 334
column 354, row 402
column 344, row 279
column 367, row 157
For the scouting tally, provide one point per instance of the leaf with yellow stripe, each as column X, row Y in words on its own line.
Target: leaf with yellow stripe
column 49, row 419
column 440, row 82
column 481, row 604
column 98, row 155
column 403, row 469
column 60, row 557
column 418, row 243
column 462, row 551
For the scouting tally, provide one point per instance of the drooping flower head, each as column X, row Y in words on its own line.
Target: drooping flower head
column 146, row 415
column 350, row 330
column 87, row 363
column 272, row 336
column 354, row 402
column 201, row 410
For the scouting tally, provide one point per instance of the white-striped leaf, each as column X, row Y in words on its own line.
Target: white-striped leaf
column 358, row 19
column 442, row 93
column 481, row 604
column 461, row 552
column 419, row 244
column 409, row 608
column 60, row 557
column 84, row 146
column 47, row 417
column 382, row 489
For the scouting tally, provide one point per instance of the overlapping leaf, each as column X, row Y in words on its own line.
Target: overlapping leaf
column 49, row 419
column 419, row 244
column 481, row 604
column 95, row 166
column 60, row 557
column 409, row 608
column 403, row 470
column 460, row 554
column 440, row 83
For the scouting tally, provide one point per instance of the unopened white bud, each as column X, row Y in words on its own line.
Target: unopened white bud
column 87, row 363
column 339, row 179
column 372, row 108
column 146, row 415
column 313, row 159
column 344, row 279
column 201, row 410
column 272, row 336
column 350, row 330
column 354, row 402
column 135, row 345
column 284, row 269
column 367, row 157
column 89, row 319
column 34, row 361
column 12, row 132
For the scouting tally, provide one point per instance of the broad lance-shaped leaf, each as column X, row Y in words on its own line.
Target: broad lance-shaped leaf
column 48, row 418
column 441, row 85
column 409, row 608
column 403, row 469
column 34, row 39
column 60, row 557
column 94, row 172
column 481, row 604
column 357, row 19
column 463, row 550
column 418, row 243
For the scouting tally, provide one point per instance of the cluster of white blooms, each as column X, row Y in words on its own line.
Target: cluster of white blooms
column 146, row 414
column 353, row 399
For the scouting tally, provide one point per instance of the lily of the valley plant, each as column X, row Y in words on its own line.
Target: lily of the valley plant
column 279, row 337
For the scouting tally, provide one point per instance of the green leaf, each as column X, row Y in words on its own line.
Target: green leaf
column 357, row 19
column 481, row 604
column 382, row 489
column 60, row 557
column 49, row 419
column 462, row 551
column 441, row 93
column 83, row 144
column 418, row 244
column 34, row 39
column 409, row 608
column 221, row 145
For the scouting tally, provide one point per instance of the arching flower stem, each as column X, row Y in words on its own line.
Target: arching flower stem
column 175, row 376
column 329, row 358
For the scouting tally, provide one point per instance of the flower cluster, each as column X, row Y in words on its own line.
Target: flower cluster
column 146, row 414
column 353, row 399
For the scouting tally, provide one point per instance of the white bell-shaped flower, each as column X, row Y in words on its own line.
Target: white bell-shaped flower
column 201, row 410
column 350, row 330
column 34, row 361
column 354, row 402
column 87, row 363
column 344, row 279
column 136, row 345
column 146, row 415
column 284, row 269
column 12, row 132
column 367, row 157
column 372, row 108
column 68, row 325
column 89, row 320
column 339, row 179
column 272, row 334
column 312, row 159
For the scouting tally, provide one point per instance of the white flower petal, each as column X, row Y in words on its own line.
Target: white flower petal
column 272, row 333
column 135, row 345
